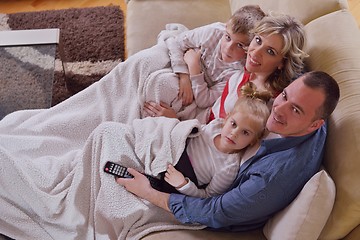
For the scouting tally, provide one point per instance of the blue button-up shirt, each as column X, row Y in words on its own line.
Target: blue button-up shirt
column 265, row 184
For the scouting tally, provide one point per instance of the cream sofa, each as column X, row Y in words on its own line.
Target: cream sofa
column 334, row 47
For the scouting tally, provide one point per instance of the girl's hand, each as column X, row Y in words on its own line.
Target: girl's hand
column 174, row 177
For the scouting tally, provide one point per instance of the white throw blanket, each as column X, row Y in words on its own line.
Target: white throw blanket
column 52, row 183
column 45, row 195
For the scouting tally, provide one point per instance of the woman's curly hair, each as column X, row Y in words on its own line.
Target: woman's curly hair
column 293, row 33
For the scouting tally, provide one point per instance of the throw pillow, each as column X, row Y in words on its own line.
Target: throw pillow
column 306, row 216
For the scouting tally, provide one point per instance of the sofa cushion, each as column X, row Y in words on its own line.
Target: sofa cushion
column 154, row 15
column 354, row 235
column 305, row 10
column 334, row 47
column 205, row 234
column 306, row 216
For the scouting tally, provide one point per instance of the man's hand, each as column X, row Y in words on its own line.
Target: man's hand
column 185, row 90
column 159, row 110
column 174, row 177
column 140, row 186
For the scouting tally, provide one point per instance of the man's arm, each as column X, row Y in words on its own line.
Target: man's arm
column 140, row 186
column 216, row 212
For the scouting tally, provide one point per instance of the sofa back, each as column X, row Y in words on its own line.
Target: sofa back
column 305, row 11
column 334, row 47
column 161, row 12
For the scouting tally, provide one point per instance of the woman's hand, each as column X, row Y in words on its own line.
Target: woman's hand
column 158, row 110
column 174, row 177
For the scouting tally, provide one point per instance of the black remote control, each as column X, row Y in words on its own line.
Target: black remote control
column 121, row 171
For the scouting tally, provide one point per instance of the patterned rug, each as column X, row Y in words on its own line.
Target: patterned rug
column 92, row 40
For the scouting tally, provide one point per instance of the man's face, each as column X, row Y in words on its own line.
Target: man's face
column 294, row 110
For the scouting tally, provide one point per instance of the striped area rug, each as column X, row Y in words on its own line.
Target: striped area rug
column 92, row 38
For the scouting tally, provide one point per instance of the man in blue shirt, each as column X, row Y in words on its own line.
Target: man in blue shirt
column 274, row 176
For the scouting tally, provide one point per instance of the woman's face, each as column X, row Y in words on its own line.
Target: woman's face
column 264, row 54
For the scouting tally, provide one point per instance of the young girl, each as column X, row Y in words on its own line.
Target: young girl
column 215, row 154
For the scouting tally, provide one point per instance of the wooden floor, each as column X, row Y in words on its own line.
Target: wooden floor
column 11, row 6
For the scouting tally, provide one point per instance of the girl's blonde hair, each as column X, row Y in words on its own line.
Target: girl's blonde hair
column 254, row 104
column 293, row 33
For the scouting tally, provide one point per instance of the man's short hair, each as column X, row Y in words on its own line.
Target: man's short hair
column 329, row 86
